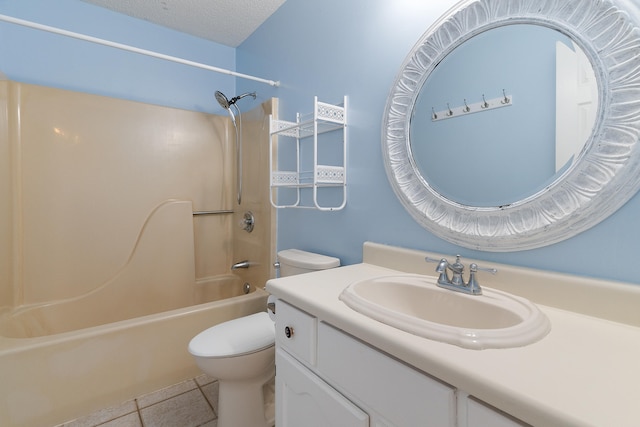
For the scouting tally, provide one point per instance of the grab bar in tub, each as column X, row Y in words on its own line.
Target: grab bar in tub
column 212, row 212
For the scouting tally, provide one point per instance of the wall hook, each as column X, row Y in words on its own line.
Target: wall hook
column 506, row 100
column 484, row 104
column 449, row 112
column 472, row 108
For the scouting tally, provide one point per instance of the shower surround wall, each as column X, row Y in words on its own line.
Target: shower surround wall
column 86, row 171
column 87, row 185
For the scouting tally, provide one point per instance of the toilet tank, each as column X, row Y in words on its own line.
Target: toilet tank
column 295, row 261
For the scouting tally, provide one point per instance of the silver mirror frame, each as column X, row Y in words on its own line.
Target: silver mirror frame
column 607, row 172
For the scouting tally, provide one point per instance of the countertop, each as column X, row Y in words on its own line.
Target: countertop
column 585, row 372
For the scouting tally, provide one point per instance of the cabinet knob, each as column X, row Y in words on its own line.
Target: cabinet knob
column 288, row 331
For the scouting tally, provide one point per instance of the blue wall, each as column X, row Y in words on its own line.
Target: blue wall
column 336, row 47
column 37, row 57
column 328, row 48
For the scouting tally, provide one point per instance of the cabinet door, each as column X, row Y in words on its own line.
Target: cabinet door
column 399, row 394
column 477, row 414
column 305, row 400
column 296, row 333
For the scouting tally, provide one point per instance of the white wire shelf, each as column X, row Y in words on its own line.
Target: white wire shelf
column 324, row 118
column 324, row 176
column 302, row 129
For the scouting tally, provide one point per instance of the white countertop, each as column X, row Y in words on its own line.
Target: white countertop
column 585, row 372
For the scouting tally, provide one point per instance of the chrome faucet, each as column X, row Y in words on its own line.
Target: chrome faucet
column 456, row 282
column 241, row 264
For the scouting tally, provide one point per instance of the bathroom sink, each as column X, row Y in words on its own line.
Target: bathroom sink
column 415, row 304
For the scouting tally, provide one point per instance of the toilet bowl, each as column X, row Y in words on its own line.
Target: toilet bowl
column 240, row 353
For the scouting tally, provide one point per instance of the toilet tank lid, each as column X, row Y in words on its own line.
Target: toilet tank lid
column 307, row 260
column 235, row 337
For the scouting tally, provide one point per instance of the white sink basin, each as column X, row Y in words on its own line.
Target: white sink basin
column 415, row 304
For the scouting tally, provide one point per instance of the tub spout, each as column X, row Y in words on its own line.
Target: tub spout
column 241, row 264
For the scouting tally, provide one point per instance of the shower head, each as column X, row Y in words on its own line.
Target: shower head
column 222, row 100
column 226, row 103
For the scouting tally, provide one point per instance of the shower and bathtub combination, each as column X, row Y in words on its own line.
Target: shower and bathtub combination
column 237, row 124
column 120, row 245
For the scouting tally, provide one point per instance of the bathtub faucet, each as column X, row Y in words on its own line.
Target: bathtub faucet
column 241, row 264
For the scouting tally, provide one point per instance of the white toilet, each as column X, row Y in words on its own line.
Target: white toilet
column 240, row 353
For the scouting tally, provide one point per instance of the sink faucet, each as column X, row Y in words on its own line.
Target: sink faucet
column 456, row 282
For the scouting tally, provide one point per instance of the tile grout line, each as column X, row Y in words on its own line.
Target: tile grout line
column 138, row 412
column 164, row 400
column 139, row 408
column 215, row 413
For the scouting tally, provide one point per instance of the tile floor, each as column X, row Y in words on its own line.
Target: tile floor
column 192, row 403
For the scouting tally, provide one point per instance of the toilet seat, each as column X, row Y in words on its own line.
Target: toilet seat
column 235, row 337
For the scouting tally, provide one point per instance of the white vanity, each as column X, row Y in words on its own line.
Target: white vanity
column 337, row 367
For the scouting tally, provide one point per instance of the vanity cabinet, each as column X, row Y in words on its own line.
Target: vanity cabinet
column 474, row 413
column 303, row 399
column 393, row 393
column 307, row 172
column 327, row 378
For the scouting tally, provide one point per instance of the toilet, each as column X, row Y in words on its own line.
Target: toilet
column 240, row 353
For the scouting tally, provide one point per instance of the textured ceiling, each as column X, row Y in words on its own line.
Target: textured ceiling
column 228, row 22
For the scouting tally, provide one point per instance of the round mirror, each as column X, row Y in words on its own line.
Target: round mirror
column 514, row 125
column 461, row 133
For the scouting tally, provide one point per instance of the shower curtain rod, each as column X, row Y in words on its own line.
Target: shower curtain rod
column 121, row 46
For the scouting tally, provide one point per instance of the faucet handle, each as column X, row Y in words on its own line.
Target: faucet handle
column 443, row 279
column 474, row 267
column 473, row 285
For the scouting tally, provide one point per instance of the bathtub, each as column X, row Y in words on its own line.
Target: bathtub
column 126, row 336
column 54, row 374
column 107, row 274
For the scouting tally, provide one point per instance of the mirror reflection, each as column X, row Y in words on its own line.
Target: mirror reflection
column 489, row 157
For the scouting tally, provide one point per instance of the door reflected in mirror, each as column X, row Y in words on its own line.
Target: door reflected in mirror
column 497, row 156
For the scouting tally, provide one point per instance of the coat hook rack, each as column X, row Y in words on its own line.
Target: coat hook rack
column 484, row 105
